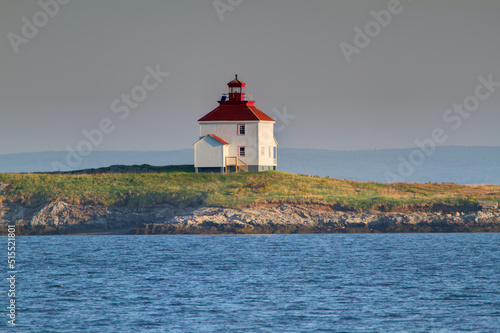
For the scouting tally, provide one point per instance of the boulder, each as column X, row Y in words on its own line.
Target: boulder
column 488, row 205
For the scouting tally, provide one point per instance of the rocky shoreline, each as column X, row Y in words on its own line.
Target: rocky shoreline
column 63, row 218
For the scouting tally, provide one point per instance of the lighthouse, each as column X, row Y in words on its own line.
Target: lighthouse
column 235, row 136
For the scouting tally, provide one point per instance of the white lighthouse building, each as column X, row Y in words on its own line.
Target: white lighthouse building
column 235, row 136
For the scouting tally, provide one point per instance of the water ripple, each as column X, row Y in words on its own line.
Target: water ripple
column 259, row 283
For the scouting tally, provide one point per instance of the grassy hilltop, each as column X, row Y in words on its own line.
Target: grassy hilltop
column 143, row 186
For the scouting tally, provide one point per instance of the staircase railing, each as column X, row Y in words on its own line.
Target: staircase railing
column 239, row 165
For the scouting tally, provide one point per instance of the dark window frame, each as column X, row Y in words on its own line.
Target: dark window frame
column 240, row 150
column 241, row 126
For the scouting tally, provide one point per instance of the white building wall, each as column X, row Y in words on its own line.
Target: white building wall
column 225, row 153
column 258, row 135
column 266, row 144
column 208, row 153
column 228, row 131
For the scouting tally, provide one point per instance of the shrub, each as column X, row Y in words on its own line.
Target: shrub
column 469, row 199
column 259, row 185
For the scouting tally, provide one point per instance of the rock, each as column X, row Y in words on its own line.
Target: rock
column 488, row 205
column 50, row 214
column 483, row 216
column 61, row 217
column 3, row 187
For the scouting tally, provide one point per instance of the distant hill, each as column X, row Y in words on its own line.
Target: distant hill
column 45, row 161
column 463, row 165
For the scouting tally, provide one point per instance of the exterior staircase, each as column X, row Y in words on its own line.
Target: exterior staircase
column 239, row 165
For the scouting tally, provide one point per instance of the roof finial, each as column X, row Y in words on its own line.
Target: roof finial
column 236, row 76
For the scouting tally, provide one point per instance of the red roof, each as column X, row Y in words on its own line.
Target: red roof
column 218, row 139
column 242, row 111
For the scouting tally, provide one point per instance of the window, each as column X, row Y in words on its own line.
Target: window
column 262, row 151
column 275, row 152
column 241, row 129
column 241, row 151
column 235, row 90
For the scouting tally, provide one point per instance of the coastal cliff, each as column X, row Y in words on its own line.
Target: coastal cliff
column 174, row 200
column 62, row 218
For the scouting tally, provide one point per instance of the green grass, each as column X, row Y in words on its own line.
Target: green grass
column 143, row 186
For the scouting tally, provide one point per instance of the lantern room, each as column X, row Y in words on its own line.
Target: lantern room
column 236, row 89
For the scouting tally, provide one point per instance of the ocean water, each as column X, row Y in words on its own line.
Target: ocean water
column 257, row 283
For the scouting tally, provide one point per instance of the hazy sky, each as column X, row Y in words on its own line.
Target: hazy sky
column 74, row 71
